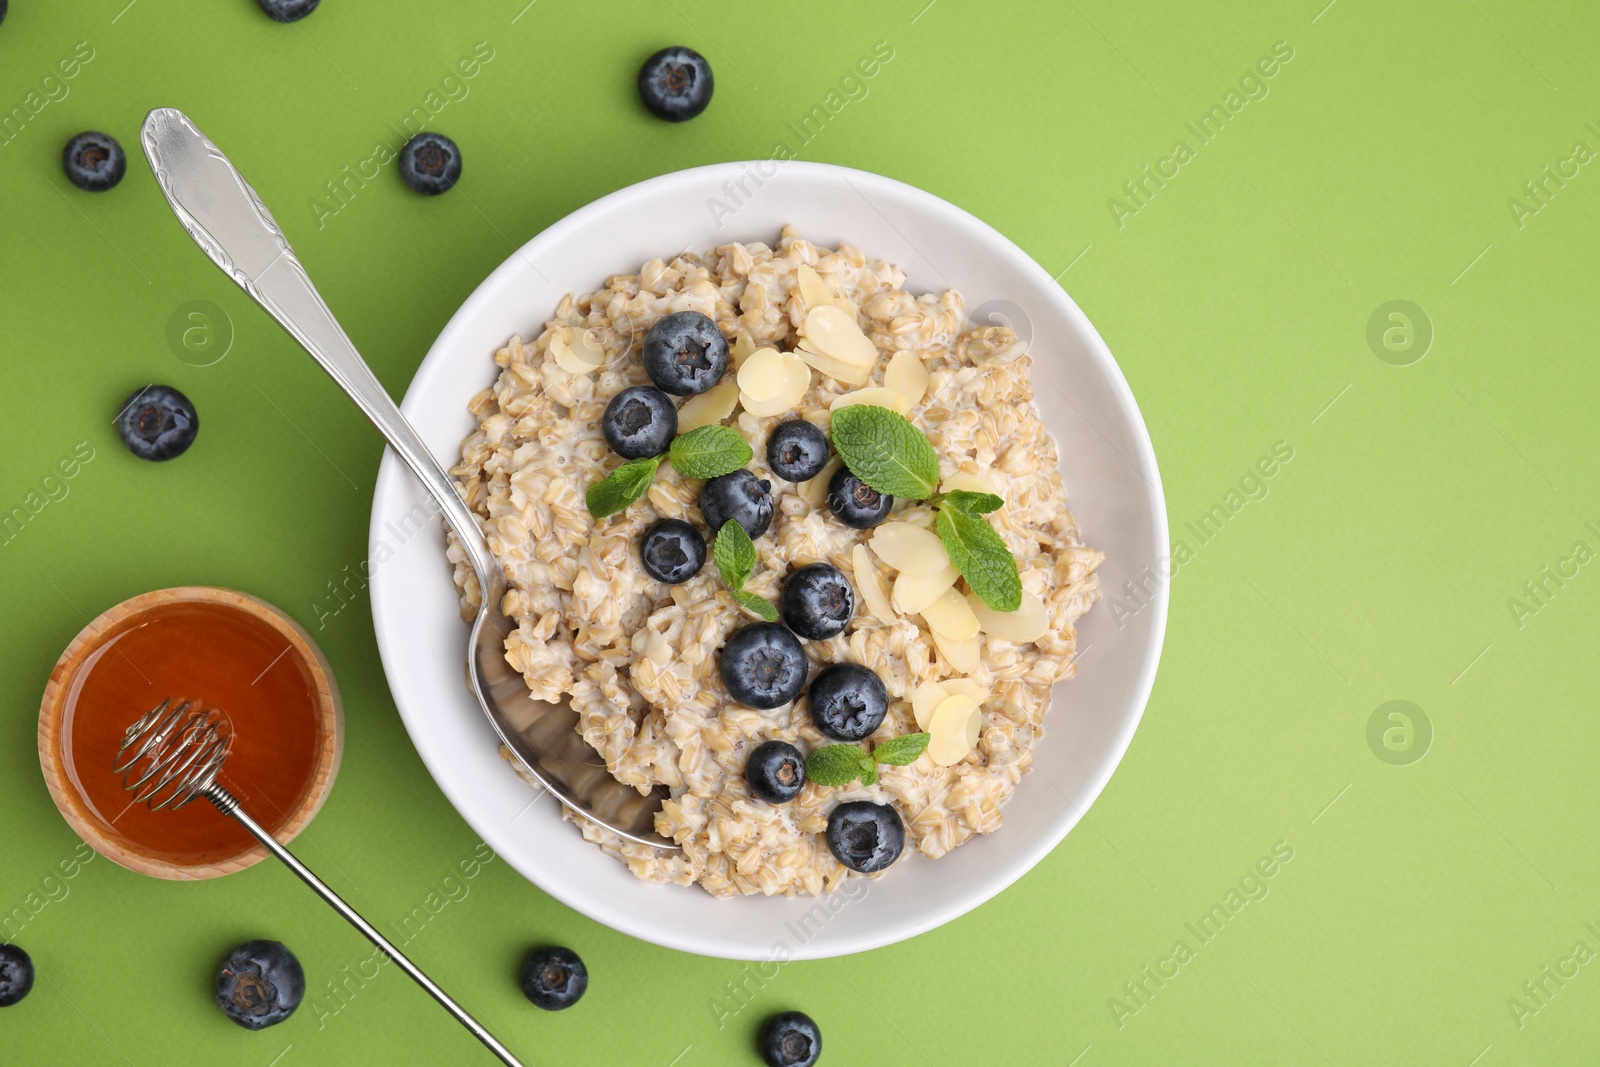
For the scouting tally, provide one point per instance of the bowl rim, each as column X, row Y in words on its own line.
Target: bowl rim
column 52, row 708
column 709, row 942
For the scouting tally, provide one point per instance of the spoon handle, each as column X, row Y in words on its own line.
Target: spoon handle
column 226, row 803
column 231, row 225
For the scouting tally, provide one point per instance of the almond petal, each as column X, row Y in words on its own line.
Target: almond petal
column 846, row 373
column 908, row 376
column 966, row 687
column 835, row 334
column 914, row 592
column 815, row 491
column 763, row 375
column 950, row 616
column 870, row 585
column 910, row 548
column 1028, row 623
column 972, row 483
column 924, row 699
column 952, row 729
column 962, row 656
column 711, row 406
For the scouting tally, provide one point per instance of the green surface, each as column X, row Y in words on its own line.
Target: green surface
column 1383, row 561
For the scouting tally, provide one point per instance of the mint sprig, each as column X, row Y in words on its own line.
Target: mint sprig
column 735, row 556
column 704, row 452
column 980, row 556
column 708, row 451
column 621, row 487
column 887, row 451
column 836, row 765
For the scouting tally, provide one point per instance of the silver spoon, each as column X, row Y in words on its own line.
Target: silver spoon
column 231, row 225
column 173, row 755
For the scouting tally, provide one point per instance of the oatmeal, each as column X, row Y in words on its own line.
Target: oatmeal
column 639, row 659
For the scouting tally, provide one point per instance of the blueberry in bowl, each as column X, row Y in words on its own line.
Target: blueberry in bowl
column 817, row 601
column 685, row 353
column 855, row 503
column 740, row 497
column 430, row 163
column 864, row 836
column 763, row 665
column 260, row 984
column 672, row 551
column 554, row 978
column 848, row 701
column 789, row 1039
column 158, row 423
column 775, row 772
column 676, row 84
column 94, row 161
column 639, row 422
column 797, row 451
column 16, row 967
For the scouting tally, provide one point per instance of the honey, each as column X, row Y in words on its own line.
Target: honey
column 218, row 656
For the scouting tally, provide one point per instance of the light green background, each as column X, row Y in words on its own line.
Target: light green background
column 1378, row 566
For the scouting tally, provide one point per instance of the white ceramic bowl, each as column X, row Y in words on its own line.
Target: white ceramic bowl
column 1107, row 462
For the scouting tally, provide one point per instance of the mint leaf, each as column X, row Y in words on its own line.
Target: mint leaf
column 901, row 751
column 980, row 556
column 708, row 451
column 869, row 771
column 835, row 764
column 621, row 487
column 886, row 450
column 756, row 605
column 973, row 503
column 734, row 554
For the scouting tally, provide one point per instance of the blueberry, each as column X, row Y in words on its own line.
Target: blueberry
column 554, row 978
column 16, row 969
column 817, row 601
column 157, row 423
column 855, row 503
column 430, row 163
column 685, row 353
column 797, row 451
column 288, row 10
column 763, row 665
column 864, row 836
column 740, row 497
column 776, row 772
column 672, row 551
column 848, row 701
column 675, row 84
column 790, row 1039
column 639, row 422
column 94, row 161
column 260, row 984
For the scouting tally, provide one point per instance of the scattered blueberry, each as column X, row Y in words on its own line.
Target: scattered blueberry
column 675, row 84
column 738, row 496
column 848, row 701
column 430, row 162
column 776, row 772
column 554, row 978
column 288, row 10
column 797, row 451
column 685, row 353
column 639, row 422
column 158, row 422
column 763, row 665
column 16, row 968
column 817, row 601
column 790, row 1039
column 672, row 551
column 94, row 161
column 855, row 503
column 864, row 836
column 260, row 984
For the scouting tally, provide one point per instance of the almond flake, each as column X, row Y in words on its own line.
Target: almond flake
column 908, row 376
column 876, row 396
column 577, row 351
column 914, row 592
column 743, row 345
column 962, row 656
column 815, row 491
column 950, row 616
column 762, row 376
column 966, row 687
column 833, row 367
column 972, row 483
column 954, row 727
column 1028, row 623
column 797, row 379
column 925, row 698
column 711, row 406
column 870, row 583
column 910, row 548
column 834, row 334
